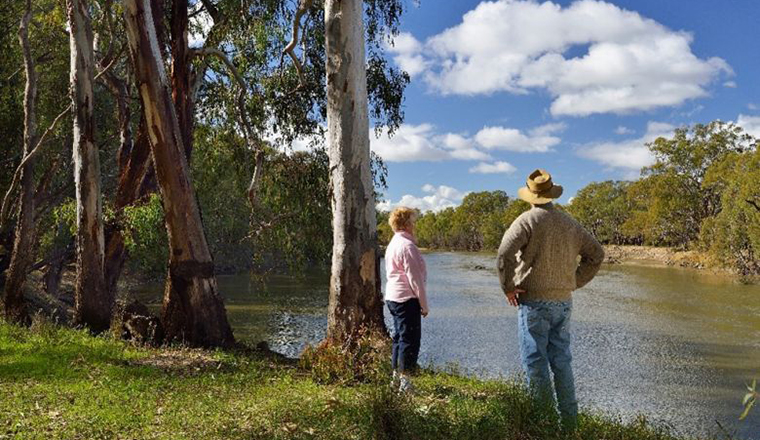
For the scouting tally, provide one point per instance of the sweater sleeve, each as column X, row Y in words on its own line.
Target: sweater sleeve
column 514, row 240
column 592, row 255
column 416, row 273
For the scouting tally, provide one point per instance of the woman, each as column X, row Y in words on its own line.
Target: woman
column 405, row 294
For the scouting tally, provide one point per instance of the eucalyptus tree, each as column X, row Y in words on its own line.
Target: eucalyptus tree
column 355, row 299
column 33, row 105
column 22, row 255
column 93, row 302
column 193, row 310
column 286, row 101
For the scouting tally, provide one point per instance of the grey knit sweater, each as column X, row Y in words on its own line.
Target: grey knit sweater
column 539, row 254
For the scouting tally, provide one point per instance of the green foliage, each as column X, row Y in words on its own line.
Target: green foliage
column 221, row 169
column 384, row 230
column 700, row 193
column 294, row 225
column 732, row 236
column 602, row 208
column 145, row 235
column 477, row 224
column 673, row 199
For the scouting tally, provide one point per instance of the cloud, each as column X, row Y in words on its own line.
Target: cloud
column 406, row 51
column 750, row 124
column 409, row 143
column 438, row 198
column 493, row 168
column 730, row 84
column 630, row 154
column 752, row 106
column 424, row 143
column 591, row 56
column 512, row 139
column 621, row 130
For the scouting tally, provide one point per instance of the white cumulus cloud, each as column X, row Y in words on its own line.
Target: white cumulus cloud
column 750, row 124
column 409, row 143
column 406, row 52
column 538, row 140
column 629, row 154
column 424, row 142
column 591, row 56
column 493, row 168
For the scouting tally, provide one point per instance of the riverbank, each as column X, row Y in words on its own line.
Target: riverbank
column 655, row 256
column 59, row 383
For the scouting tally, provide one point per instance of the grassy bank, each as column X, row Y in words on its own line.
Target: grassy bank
column 58, row 383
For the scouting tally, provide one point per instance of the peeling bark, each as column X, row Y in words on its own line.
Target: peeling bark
column 193, row 311
column 21, row 258
column 93, row 304
column 181, row 74
column 355, row 300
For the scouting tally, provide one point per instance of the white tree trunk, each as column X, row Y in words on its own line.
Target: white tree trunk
column 93, row 303
column 355, row 300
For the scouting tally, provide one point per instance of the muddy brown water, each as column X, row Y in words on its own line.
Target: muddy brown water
column 675, row 345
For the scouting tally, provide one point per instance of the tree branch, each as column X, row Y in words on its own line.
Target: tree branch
column 248, row 132
column 32, row 154
column 36, row 150
column 211, row 9
column 289, row 50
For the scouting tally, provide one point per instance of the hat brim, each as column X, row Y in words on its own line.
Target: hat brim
column 542, row 198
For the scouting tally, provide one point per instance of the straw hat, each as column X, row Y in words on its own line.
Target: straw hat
column 540, row 189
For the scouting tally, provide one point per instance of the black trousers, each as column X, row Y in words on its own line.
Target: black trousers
column 407, row 323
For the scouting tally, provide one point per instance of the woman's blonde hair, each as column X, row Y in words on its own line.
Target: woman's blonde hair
column 402, row 218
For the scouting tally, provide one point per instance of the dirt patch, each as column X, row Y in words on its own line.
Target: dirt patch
column 658, row 256
column 184, row 360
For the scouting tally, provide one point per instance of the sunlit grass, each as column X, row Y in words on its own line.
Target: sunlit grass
column 59, row 383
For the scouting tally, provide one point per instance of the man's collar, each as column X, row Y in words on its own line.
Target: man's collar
column 549, row 205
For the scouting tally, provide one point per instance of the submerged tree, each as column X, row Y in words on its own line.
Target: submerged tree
column 355, row 300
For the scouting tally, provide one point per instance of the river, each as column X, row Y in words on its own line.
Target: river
column 675, row 345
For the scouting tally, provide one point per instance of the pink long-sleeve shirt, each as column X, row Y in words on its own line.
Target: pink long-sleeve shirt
column 405, row 270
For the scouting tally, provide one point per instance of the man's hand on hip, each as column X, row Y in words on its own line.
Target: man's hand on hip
column 512, row 297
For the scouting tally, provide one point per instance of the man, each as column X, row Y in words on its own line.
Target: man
column 538, row 269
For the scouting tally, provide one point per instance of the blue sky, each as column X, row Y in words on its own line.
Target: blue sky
column 500, row 88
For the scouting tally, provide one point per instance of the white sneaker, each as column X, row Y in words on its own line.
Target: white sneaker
column 395, row 379
column 405, row 385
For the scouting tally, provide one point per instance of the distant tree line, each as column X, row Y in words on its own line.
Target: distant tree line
column 476, row 225
column 701, row 193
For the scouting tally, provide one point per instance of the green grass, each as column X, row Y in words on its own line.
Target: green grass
column 59, row 383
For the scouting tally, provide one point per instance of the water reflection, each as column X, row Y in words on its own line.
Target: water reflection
column 676, row 345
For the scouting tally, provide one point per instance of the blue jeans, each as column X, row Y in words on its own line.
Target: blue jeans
column 407, row 326
column 544, row 333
